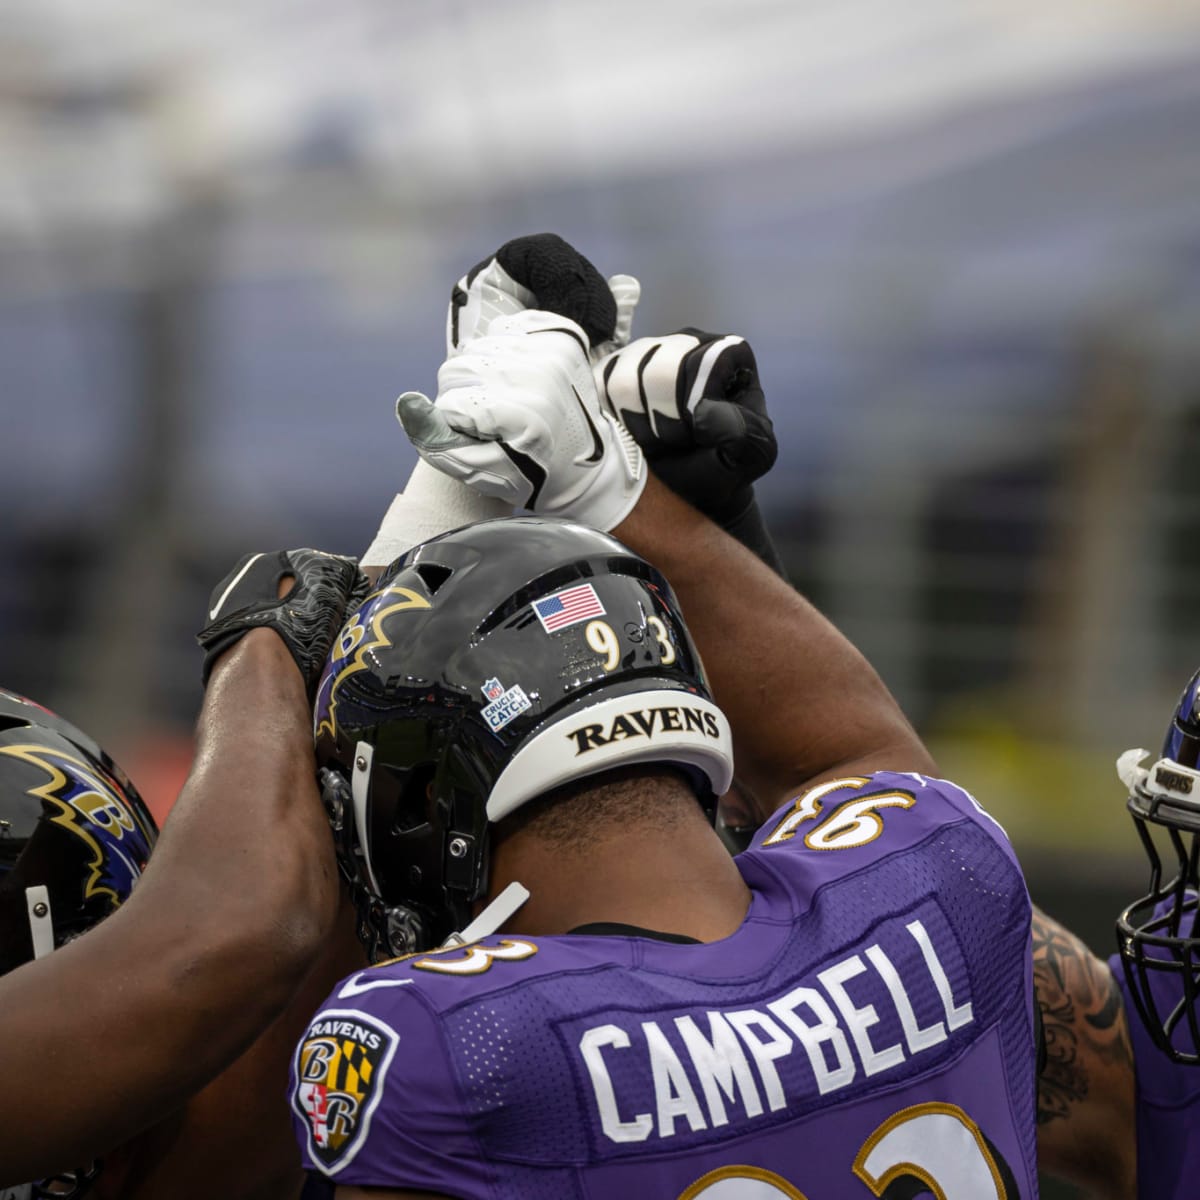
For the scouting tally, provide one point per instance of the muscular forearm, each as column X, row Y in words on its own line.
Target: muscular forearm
column 1086, row 1090
column 248, row 842
column 803, row 703
column 218, row 934
column 239, row 1110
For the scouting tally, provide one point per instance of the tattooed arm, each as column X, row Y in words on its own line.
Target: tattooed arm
column 1086, row 1122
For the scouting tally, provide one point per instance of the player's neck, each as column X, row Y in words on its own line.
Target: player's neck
column 681, row 882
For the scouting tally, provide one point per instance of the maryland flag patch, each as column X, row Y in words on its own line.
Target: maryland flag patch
column 338, row 1081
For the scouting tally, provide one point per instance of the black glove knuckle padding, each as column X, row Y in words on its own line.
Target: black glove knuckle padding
column 717, row 422
column 713, row 452
column 307, row 618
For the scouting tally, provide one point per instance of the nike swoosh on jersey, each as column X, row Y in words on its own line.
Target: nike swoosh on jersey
column 353, row 988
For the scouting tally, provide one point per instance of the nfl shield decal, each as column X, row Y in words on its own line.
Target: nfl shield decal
column 339, row 1072
column 506, row 705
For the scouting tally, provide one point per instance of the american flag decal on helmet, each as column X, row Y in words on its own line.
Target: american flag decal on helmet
column 568, row 607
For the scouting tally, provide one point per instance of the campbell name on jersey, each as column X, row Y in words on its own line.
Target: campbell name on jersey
column 871, row 1020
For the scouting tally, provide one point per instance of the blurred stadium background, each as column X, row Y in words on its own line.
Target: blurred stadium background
column 963, row 236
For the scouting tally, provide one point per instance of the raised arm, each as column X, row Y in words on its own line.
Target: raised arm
column 235, row 903
column 538, row 271
column 803, row 703
column 519, row 418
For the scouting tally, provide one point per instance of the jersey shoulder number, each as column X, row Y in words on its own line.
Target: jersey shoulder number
column 841, row 814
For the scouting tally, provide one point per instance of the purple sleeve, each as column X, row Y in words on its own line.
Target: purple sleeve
column 1168, row 1108
column 374, row 1100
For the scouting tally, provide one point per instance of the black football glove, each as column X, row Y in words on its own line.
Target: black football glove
column 693, row 402
column 308, row 618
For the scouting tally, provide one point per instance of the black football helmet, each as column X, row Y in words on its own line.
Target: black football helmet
column 490, row 666
column 74, row 840
column 1159, row 935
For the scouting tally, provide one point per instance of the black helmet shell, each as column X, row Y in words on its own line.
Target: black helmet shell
column 489, row 666
column 70, row 821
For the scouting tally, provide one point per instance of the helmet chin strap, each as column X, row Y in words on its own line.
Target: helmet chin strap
column 41, row 923
column 492, row 917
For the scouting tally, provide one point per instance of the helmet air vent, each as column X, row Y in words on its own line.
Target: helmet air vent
column 433, row 575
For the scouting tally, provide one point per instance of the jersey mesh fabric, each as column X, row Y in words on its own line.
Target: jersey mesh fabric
column 542, row 1183
column 528, row 1105
column 492, row 1074
column 881, row 978
column 1017, row 1033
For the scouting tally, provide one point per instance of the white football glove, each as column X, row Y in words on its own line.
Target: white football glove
column 542, row 272
column 517, row 418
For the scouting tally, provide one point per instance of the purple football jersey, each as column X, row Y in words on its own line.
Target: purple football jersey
column 867, row 1030
column 1168, row 1101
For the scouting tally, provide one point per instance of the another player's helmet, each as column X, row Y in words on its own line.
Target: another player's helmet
column 74, row 839
column 490, row 666
column 1159, row 935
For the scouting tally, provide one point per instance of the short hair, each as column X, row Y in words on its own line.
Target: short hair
column 585, row 811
